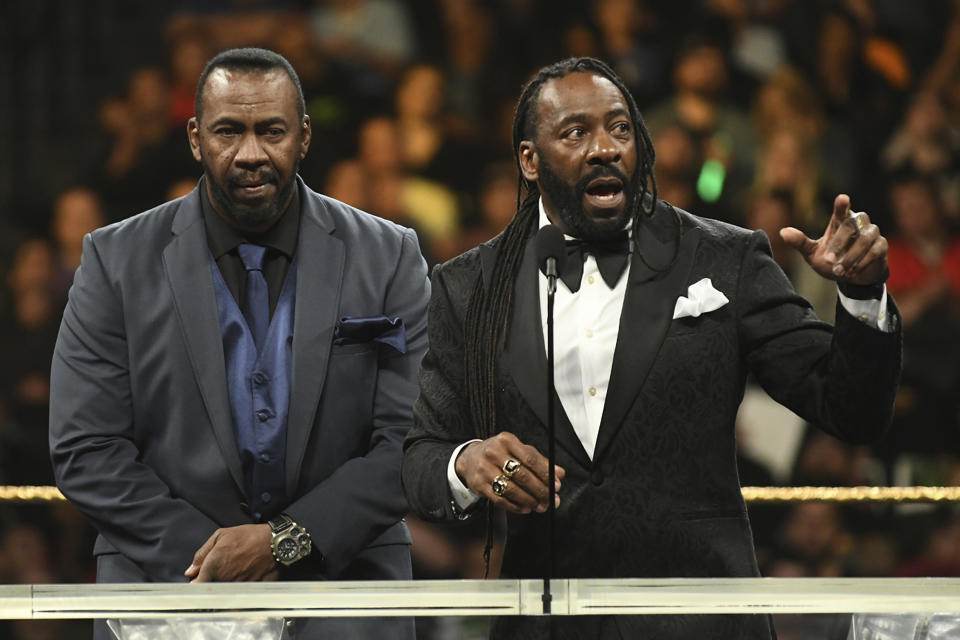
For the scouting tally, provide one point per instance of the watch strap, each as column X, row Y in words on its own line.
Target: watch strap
column 280, row 523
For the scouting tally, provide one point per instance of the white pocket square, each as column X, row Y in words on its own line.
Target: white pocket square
column 701, row 298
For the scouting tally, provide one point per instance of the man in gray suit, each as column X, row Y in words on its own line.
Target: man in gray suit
column 235, row 369
column 660, row 317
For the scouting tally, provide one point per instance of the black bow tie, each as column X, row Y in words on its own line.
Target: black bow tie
column 611, row 258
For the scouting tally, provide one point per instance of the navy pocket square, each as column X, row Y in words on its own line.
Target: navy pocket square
column 388, row 331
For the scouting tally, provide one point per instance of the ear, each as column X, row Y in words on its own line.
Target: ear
column 307, row 132
column 193, row 137
column 529, row 160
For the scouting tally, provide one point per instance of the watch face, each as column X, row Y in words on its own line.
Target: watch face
column 288, row 549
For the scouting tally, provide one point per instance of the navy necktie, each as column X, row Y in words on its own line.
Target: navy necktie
column 256, row 297
column 611, row 258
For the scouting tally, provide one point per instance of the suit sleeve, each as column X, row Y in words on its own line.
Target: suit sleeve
column 843, row 379
column 441, row 414
column 92, row 435
column 363, row 498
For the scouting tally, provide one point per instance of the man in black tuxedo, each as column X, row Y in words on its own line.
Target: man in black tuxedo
column 236, row 369
column 658, row 324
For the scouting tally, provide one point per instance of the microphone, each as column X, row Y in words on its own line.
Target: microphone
column 551, row 253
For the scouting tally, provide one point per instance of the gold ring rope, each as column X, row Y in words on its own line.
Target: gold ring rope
column 851, row 494
column 750, row 494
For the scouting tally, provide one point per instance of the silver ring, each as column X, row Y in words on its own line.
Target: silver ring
column 499, row 484
column 510, row 467
column 859, row 222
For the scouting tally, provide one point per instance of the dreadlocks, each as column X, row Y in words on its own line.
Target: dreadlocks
column 488, row 313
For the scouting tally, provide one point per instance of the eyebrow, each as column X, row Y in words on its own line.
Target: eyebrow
column 236, row 123
column 577, row 117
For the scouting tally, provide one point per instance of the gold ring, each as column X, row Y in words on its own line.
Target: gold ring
column 510, row 467
column 859, row 221
column 499, row 484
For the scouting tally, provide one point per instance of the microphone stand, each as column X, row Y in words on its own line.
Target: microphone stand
column 551, row 273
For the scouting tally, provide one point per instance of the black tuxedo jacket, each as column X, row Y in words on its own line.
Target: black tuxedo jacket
column 141, row 432
column 661, row 497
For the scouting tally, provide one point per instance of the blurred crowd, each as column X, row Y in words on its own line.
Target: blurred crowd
column 760, row 111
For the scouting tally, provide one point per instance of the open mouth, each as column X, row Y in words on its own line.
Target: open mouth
column 605, row 192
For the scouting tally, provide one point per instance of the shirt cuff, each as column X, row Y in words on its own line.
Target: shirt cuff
column 462, row 496
column 870, row 312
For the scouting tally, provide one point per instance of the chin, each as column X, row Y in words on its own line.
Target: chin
column 253, row 218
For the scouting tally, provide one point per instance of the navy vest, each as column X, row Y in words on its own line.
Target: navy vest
column 259, row 388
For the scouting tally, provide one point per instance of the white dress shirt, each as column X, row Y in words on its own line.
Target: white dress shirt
column 586, row 324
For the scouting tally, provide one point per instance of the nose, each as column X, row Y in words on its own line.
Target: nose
column 603, row 149
column 250, row 154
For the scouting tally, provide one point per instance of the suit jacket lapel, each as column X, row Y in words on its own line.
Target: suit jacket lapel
column 320, row 262
column 187, row 261
column 659, row 272
column 526, row 358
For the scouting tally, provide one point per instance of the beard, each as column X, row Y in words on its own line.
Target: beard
column 568, row 199
column 244, row 215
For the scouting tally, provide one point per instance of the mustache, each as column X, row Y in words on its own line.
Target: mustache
column 602, row 172
column 263, row 176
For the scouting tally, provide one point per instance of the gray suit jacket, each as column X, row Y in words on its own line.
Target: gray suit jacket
column 141, row 435
column 661, row 497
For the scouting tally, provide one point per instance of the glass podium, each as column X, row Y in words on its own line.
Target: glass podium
column 198, row 629
column 869, row 608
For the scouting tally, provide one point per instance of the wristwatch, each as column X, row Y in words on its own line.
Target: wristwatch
column 289, row 542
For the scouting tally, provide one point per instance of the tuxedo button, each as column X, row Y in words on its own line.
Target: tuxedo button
column 596, row 477
column 266, row 497
column 592, row 391
column 591, row 279
column 259, row 378
column 264, row 458
column 263, row 415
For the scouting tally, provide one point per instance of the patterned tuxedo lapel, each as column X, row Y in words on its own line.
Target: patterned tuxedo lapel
column 658, row 274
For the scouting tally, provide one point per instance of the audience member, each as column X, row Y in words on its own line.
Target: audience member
column 76, row 212
column 27, row 337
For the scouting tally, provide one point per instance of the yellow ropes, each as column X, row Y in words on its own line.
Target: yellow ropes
column 750, row 494
column 851, row 494
column 30, row 494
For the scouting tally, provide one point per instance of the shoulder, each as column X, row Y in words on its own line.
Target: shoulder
column 470, row 263
column 455, row 280
column 714, row 231
column 142, row 234
column 351, row 224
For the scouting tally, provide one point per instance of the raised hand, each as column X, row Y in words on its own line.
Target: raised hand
column 850, row 250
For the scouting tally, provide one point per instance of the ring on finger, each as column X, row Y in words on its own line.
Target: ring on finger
column 859, row 221
column 499, row 484
column 510, row 467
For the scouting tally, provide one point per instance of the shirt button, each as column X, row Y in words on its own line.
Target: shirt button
column 266, row 497
column 592, row 391
column 263, row 415
column 590, row 279
column 259, row 378
column 589, row 333
column 256, row 515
